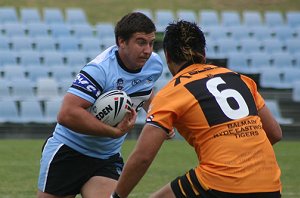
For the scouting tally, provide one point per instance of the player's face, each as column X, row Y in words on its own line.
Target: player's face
column 137, row 50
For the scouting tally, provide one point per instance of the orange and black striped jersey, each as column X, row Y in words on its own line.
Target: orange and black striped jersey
column 216, row 111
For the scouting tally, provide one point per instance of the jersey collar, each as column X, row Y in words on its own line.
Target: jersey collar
column 122, row 65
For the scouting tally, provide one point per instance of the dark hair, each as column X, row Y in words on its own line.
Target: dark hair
column 184, row 41
column 132, row 23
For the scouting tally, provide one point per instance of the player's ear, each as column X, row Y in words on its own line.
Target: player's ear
column 121, row 42
column 167, row 56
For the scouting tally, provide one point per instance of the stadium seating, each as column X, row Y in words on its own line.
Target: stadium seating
column 47, row 89
column 53, row 16
column 53, row 42
column 273, row 18
column 162, row 18
column 296, row 91
column 187, row 15
column 146, row 12
column 37, row 29
column 8, row 15
column 30, row 15
column 230, row 18
column 208, row 18
column 22, row 89
column 275, row 110
column 75, row 16
column 51, row 110
column 31, row 111
column 9, row 112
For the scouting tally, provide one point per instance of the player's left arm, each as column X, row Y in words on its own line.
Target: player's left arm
column 148, row 102
column 270, row 125
column 140, row 159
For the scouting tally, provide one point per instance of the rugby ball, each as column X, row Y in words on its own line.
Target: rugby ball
column 111, row 107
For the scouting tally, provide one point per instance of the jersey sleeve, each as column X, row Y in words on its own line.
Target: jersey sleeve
column 259, row 101
column 87, row 83
column 161, row 113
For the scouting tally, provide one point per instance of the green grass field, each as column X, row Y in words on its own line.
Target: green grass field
column 19, row 166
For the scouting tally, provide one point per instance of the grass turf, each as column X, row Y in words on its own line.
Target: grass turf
column 19, row 166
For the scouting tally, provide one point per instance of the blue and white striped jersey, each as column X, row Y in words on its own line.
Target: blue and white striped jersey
column 107, row 72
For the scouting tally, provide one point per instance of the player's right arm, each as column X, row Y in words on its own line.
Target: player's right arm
column 270, row 125
column 73, row 115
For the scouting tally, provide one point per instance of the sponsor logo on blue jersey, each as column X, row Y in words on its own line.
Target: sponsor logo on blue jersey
column 85, row 83
column 135, row 82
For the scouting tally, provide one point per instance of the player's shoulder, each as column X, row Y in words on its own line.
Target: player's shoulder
column 104, row 57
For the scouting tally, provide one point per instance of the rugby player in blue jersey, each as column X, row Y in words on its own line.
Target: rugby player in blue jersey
column 83, row 154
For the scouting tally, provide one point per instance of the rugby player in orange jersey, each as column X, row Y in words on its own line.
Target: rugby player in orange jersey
column 218, row 112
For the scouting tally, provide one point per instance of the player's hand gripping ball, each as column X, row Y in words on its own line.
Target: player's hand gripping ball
column 111, row 107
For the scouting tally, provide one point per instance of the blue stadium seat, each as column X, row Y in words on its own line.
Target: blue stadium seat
column 47, row 89
column 273, row 18
column 60, row 72
column 22, row 89
column 249, row 45
column 292, row 45
column 8, row 15
column 188, row 15
column 290, row 76
column 252, row 18
column 44, row 43
column 60, row 30
column 90, row 44
column 4, row 89
column 283, row 32
column 30, row 15
column 230, row 18
column 104, row 30
column 259, row 61
column 13, row 72
column 216, row 32
column 282, row 60
column 14, row 29
column 273, row 106
column 293, row 18
column 52, row 58
column 51, row 110
column 53, row 15
column 75, row 59
column 226, row 45
column 296, row 91
column 162, row 18
column 107, row 42
column 238, row 61
column 75, row 16
column 82, row 30
column 4, row 43
column 20, row 43
column 33, row 72
column 272, row 45
column 67, row 43
column 7, row 57
column 31, row 111
column 260, row 32
column 37, row 29
column 30, row 58
column 9, row 112
column 239, row 32
column 271, row 78
column 208, row 18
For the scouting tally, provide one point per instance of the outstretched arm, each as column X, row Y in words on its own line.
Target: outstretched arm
column 140, row 159
column 270, row 125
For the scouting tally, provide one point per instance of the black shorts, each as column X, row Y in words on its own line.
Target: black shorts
column 69, row 170
column 181, row 186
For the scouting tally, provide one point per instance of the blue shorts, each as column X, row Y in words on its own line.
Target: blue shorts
column 183, row 187
column 63, row 171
